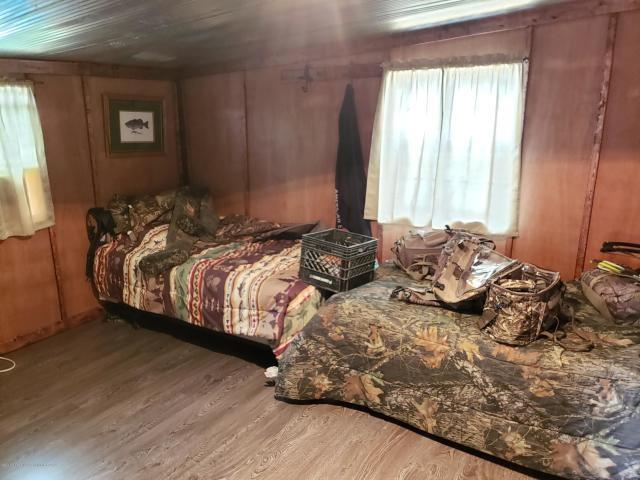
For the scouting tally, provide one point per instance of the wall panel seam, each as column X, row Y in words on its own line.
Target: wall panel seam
column 247, row 163
column 596, row 149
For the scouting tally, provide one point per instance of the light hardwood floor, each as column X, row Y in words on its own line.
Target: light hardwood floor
column 109, row 401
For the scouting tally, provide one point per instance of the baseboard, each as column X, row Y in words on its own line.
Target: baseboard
column 20, row 341
column 96, row 313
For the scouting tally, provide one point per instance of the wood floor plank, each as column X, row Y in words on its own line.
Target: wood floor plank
column 107, row 401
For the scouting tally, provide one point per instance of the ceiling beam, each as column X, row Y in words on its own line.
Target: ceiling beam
column 572, row 10
column 10, row 66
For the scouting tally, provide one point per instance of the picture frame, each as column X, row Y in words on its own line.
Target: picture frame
column 134, row 125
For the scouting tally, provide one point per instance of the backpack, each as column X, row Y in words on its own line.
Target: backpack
column 614, row 290
column 417, row 252
column 466, row 266
column 616, row 297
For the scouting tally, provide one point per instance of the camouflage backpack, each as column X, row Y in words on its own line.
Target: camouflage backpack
column 466, row 266
column 417, row 252
column 616, row 298
column 615, row 292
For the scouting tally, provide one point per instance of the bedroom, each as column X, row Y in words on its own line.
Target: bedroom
column 245, row 100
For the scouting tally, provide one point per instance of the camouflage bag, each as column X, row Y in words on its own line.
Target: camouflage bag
column 417, row 253
column 466, row 266
column 522, row 304
column 192, row 218
column 616, row 297
column 135, row 212
column 158, row 262
column 614, row 289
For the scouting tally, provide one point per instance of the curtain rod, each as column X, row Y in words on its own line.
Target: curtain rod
column 15, row 80
column 473, row 61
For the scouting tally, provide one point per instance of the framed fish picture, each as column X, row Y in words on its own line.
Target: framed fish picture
column 134, row 125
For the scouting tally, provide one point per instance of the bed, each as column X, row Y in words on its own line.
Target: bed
column 542, row 407
column 246, row 288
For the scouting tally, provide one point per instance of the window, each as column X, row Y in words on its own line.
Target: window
column 446, row 147
column 25, row 199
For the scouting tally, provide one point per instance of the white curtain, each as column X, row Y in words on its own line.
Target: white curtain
column 446, row 148
column 25, row 198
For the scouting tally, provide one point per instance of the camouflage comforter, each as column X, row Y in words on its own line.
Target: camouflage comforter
column 242, row 288
column 571, row 414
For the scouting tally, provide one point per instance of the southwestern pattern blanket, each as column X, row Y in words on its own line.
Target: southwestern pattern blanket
column 241, row 288
column 568, row 413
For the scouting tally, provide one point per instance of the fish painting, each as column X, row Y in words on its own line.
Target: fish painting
column 136, row 124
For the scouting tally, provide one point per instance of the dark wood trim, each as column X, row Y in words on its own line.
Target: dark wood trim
column 58, row 274
column 21, row 340
column 96, row 313
column 597, row 145
column 380, row 237
column 247, row 173
column 90, row 137
column 508, row 247
column 15, row 65
column 181, row 135
column 562, row 12
column 350, row 71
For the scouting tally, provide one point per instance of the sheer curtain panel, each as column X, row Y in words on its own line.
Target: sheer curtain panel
column 446, row 148
column 25, row 198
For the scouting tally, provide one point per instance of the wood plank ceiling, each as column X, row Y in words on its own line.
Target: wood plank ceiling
column 191, row 33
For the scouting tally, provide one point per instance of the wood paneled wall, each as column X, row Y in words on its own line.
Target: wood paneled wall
column 616, row 208
column 42, row 283
column 61, row 110
column 293, row 139
column 291, row 136
column 560, row 118
column 266, row 148
column 218, row 130
column 132, row 174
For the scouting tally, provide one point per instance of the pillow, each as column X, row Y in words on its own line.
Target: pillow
column 131, row 212
column 119, row 208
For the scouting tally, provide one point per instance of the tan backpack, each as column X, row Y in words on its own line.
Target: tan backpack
column 417, row 252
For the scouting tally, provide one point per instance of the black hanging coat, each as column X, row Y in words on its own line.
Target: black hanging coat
column 350, row 180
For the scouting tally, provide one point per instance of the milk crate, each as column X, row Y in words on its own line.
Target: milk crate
column 336, row 260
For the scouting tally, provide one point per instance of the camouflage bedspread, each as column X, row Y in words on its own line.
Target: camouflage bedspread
column 571, row 414
column 242, row 288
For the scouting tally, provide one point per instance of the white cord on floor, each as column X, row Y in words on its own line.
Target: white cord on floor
column 13, row 365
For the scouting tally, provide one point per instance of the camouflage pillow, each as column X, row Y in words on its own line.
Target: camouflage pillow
column 192, row 217
column 166, row 200
column 158, row 262
column 119, row 209
column 190, row 226
column 146, row 209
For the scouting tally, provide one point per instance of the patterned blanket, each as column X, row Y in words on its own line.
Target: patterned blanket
column 567, row 413
column 241, row 288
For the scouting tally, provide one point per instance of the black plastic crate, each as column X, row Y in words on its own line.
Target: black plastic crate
column 336, row 260
column 334, row 284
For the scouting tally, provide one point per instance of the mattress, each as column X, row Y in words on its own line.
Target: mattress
column 245, row 288
column 540, row 406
